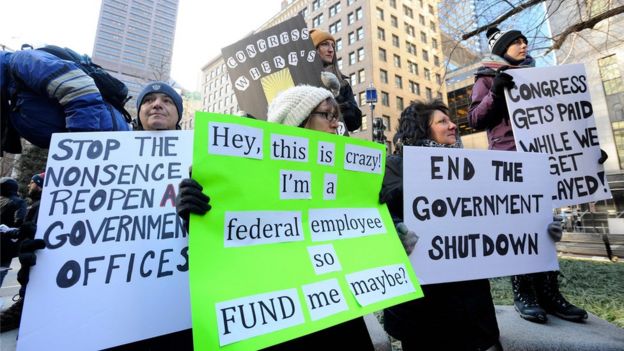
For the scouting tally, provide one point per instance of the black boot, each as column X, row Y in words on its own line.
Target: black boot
column 525, row 301
column 550, row 298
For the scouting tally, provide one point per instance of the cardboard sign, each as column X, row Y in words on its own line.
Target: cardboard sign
column 551, row 112
column 296, row 240
column 266, row 63
column 479, row 214
column 115, row 266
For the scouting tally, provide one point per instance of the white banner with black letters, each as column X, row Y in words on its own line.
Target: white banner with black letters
column 479, row 214
column 551, row 112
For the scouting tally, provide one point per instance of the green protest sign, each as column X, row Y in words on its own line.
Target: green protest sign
column 296, row 240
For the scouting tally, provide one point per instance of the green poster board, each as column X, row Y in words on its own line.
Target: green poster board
column 296, row 240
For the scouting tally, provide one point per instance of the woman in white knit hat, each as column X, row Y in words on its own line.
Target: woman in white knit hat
column 307, row 107
column 315, row 108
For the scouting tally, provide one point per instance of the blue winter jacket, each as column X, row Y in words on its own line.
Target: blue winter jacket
column 53, row 95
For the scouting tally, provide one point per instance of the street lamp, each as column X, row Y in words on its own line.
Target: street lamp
column 371, row 99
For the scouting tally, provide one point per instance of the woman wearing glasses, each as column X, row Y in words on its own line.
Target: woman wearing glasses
column 451, row 316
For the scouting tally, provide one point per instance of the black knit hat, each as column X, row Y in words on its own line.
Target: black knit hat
column 499, row 41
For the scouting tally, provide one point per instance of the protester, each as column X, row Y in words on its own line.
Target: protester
column 534, row 294
column 311, row 108
column 26, row 245
column 44, row 94
column 12, row 212
column 451, row 316
column 325, row 45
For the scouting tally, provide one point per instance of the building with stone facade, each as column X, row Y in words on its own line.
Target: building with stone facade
column 395, row 45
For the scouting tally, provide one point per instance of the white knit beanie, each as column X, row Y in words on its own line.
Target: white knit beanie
column 292, row 106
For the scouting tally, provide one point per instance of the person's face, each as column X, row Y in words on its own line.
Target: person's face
column 158, row 112
column 324, row 118
column 517, row 50
column 33, row 188
column 326, row 51
column 442, row 130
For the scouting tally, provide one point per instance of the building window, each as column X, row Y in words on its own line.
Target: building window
column 421, row 19
column 431, row 10
column 334, row 9
column 352, row 58
column 382, row 54
column 408, row 11
column 383, row 76
column 429, row 94
column 438, row 78
column 397, row 61
column 351, row 38
column 394, row 21
column 353, row 79
column 359, row 13
column 432, row 26
column 317, row 21
column 362, row 98
column 436, row 61
column 414, row 87
column 413, row 67
column 398, row 82
column 360, row 54
column 335, row 27
column 392, row 3
column 349, row 2
column 386, row 121
column 399, row 103
column 338, row 44
column 340, row 63
column 360, row 33
column 381, row 34
column 409, row 29
column 423, row 37
column 425, row 55
column 380, row 14
column 610, row 75
column 304, row 12
column 350, row 18
column 427, row 74
column 385, row 98
column 361, row 76
column 411, row 48
column 434, row 43
column 395, row 41
column 316, row 4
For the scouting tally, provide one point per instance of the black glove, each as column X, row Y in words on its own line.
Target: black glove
column 502, row 80
column 191, row 199
column 27, row 231
column 603, row 156
column 555, row 229
column 28, row 258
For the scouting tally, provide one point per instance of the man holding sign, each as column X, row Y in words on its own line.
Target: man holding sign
column 538, row 293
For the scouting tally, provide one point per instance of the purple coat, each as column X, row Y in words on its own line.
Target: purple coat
column 489, row 111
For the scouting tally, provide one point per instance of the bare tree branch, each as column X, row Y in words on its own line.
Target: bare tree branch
column 590, row 23
column 502, row 18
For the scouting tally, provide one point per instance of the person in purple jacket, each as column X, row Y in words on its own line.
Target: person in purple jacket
column 534, row 294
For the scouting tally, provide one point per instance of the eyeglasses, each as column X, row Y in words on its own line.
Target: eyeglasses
column 331, row 117
column 443, row 122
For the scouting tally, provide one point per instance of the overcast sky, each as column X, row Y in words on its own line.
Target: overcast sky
column 203, row 28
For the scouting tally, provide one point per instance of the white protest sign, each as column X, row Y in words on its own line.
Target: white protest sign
column 551, row 112
column 115, row 266
column 479, row 214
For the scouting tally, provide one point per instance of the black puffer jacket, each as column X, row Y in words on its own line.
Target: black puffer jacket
column 451, row 316
column 351, row 113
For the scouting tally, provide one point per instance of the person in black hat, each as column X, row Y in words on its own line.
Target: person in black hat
column 536, row 294
column 159, row 107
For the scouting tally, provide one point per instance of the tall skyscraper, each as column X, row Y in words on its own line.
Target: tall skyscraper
column 393, row 45
column 134, row 40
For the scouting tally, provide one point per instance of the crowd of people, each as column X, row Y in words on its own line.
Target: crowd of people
column 456, row 315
